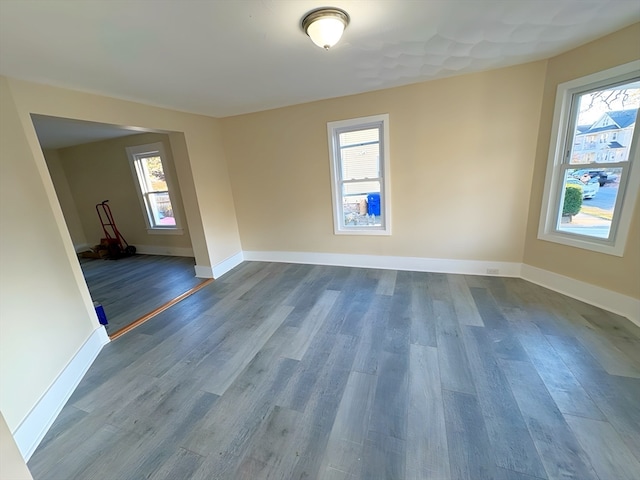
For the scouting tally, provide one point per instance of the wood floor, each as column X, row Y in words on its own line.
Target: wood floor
column 131, row 287
column 280, row 371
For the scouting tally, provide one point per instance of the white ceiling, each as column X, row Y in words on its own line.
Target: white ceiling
column 55, row 132
column 224, row 58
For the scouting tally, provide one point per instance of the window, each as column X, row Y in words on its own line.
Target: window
column 153, row 184
column 593, row 169
column 359, row 154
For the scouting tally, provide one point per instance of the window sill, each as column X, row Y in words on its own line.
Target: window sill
column 583, row 243
column 165, row 231
column 363, row 232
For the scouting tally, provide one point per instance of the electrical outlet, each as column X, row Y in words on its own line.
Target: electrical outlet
column 493, row 271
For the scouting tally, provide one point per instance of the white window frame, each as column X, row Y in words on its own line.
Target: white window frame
column 560, row 144
column 362, row 123
column 155, row 149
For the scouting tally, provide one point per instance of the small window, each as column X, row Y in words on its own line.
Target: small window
column 593, row 168
column 154, row 188
column 359, row 154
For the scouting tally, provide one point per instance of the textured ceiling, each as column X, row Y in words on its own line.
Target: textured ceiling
column 223, row 58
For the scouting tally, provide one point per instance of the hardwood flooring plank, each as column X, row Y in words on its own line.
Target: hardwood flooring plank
column 560, row 452
column 386, row 282
column 389, row 409
column 88, row 452
column 567, row 392
column 303, row 381
column 503, row 295
column 630, row 347
column 65, row 421
column 335, row 474
column 227, row 372
column 181, row 464
column 452, row 357
column 300, row 342
column 154, row 360
column 383, row 457
column 144, row 450
column 598, row 440
column 463, row 303
column 67, row 442
column 354, row 313
column 322, row 408
column 427, row 453
column 614, row 325
column 491, row 315
column 613, row 360
column 470, row 453
column 616, row 397
column 438, row 286
column 397, row 331
column 349, row 430
column 224, row 435
column 371, row 340
column 272, row 447
column 309, row 289
column 423, row 324
column 512, row 445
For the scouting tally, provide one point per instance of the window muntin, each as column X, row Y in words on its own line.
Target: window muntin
column 360, row 177
column 594, row 141
column 153, row 187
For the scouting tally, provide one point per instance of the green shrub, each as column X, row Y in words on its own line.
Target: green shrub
column 572, row 200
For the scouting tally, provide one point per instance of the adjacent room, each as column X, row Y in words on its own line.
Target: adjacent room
column 410, row 242
column 115, row 183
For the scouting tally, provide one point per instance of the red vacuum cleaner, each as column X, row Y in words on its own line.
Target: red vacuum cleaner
column 114, row 241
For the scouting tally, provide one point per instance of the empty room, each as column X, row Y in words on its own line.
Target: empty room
column 410, row 233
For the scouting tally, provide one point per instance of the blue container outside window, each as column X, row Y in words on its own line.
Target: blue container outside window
column 373, row 204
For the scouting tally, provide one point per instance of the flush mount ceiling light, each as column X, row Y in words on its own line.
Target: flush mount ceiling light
column 325, row 26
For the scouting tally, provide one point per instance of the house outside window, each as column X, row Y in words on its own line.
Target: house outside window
column 154, row 188
column 593, row 169
column 359, row 155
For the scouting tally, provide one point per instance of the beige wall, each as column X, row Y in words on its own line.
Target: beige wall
column 65, row 197
column 100, row 171
column 12, row 466
column 45, row 316
column 620, row 274
column 46, row 313
column 462, row 153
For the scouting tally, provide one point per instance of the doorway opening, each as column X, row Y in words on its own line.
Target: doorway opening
column 89, row 163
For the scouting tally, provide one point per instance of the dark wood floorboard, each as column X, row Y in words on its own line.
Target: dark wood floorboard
column 131, row 287
column 281, row 371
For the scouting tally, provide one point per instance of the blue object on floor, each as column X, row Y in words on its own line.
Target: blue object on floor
column 102, row 317
column 373, row 204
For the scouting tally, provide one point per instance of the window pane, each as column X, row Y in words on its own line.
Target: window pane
column 361, row 203
column 154, row 174
column 161, row 209
column 359, row 137
column 361, row 162
column 604, row 125
column 592, row 210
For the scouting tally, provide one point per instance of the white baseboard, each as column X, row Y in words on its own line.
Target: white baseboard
column 169, row 251
column 224, row 266
column 203, row 271
column 416, row 264
column 34, row 427
column 586, row 292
